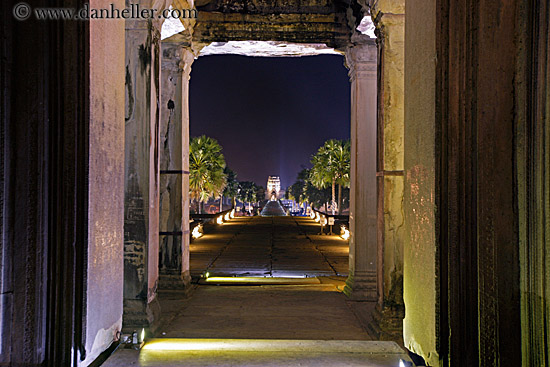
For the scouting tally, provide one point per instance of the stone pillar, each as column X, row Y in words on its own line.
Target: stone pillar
column 420, row 285
column 141, row 199
column 174, row 165
column 361, row 283
column 390, row 23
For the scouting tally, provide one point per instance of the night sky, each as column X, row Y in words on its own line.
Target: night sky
column 269, row 114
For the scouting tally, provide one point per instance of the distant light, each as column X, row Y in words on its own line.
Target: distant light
column 219, row 220
column 196, row 233
column 142, row 334
column 344, row 233
column 317, row 217
column 312, row 214
column 206, row 275
column 232, row 214
column 403, row 363
column 227, row 216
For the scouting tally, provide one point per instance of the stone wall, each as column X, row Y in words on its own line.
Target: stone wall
column 421, row 290
column 106, row 185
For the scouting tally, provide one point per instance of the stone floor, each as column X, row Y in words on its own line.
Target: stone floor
column 271, row 247
column 266, row 318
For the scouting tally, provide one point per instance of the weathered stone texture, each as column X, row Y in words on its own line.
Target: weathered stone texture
column 361, row 284
column 419, row 265
column 390, row 30
column 104, row 290
column 300, row 22
column 174, row 214
column 141, row 226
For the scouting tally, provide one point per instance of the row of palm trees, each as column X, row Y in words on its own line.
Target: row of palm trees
column 330, row 168
column 210, row 178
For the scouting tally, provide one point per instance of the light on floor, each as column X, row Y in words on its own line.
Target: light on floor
column 263, row 280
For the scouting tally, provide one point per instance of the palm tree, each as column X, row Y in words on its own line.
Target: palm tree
column 248, row 192
column 231, row 187
column 331, row 166
column 206, row 165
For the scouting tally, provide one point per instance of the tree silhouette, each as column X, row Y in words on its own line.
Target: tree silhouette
column 206, row 169
column 331, row 167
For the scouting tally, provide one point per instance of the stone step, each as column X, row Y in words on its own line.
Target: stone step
column 217, row 280
column 263, row 352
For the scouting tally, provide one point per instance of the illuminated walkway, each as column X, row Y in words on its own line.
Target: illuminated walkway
column 273, row 209
column 271, row 247
column 265, row 318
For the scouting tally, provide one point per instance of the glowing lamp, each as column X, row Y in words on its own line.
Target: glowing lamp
column 344, row 233
column 196, row 233
column 219, row 220
column 227, row 216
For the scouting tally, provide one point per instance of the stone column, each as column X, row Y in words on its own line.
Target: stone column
column 141, row 199
column 390, row 23
column 361, row 283
column 174, row 165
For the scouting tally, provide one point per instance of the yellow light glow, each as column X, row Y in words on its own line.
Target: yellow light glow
column 207, row 275
column 196, row 233
column 344, row 233
column 219, row 220
column 260, row 345
column 262, row 280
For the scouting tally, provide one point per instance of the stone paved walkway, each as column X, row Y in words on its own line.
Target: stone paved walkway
column 309, row 323
column 271, row 247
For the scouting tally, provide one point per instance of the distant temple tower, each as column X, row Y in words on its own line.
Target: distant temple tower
column 273, row 187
